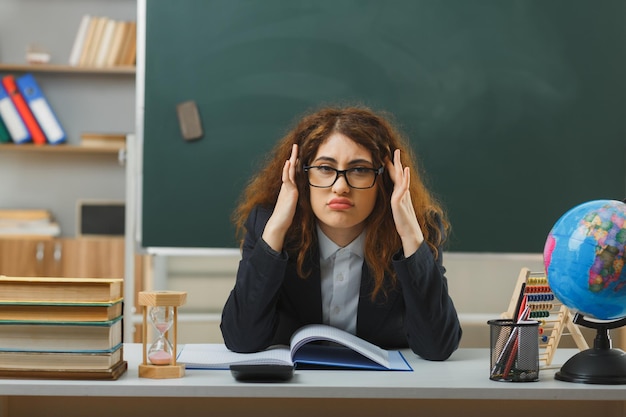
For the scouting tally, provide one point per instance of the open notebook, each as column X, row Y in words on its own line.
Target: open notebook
column 345, row 351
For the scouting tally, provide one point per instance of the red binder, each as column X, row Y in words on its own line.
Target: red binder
column 8, row 81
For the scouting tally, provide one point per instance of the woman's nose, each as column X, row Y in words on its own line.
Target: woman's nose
column 341, row 184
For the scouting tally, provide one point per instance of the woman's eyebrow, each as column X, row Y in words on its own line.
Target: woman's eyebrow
column 325, row 159
column 333, row 160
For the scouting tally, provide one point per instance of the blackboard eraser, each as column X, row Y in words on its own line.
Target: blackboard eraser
column 189, row 120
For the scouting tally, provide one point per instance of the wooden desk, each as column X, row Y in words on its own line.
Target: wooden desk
column 459, row 386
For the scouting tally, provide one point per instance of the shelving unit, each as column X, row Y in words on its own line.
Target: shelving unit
column 75, row 149
column 66, row 69
column 85, row 99
column 56, row 177
column 72, row 92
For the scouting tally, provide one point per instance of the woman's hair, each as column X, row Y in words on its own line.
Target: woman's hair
column 376, row 134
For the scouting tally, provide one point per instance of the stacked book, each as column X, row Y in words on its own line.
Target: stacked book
column 37, row 223
column 101, row 140
column 104, row 42
column 63, row 328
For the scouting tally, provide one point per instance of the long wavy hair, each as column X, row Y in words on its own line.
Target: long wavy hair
column 375, row 133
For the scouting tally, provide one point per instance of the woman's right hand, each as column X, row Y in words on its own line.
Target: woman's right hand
column 285, row 208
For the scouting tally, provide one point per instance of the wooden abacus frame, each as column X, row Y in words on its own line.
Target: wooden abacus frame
column 553, row 316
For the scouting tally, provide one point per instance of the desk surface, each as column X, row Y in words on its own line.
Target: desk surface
column 463, row 376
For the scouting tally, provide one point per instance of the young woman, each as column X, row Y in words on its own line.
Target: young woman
column 338, row 229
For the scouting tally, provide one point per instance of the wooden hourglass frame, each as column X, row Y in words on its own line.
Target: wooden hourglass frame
column 168, row 299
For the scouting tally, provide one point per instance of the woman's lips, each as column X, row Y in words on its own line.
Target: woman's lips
column 340, row 204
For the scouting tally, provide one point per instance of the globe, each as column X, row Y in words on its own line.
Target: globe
column 584, row 259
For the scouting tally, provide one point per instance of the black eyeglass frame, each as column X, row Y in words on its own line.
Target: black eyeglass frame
column 338, row 172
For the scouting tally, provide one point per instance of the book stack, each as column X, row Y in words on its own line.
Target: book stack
column 62, row 328
column 103, row 140
column 103, row 42
column 25, row 113
column 28, row 223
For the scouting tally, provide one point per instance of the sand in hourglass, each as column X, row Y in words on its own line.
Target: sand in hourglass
column 161, row 356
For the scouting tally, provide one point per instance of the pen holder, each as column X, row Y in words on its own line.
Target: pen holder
column 514, row 350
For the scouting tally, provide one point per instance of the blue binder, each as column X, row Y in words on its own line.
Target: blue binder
column 12, row 119
column 41, row 109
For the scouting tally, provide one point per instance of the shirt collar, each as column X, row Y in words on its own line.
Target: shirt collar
column 328, row 248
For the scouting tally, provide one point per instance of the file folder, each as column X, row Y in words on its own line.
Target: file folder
column 37, row 135
column 40, row 107
column 12, row 120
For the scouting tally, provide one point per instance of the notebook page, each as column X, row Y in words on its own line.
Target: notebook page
column 318, row 332
column 217, row 356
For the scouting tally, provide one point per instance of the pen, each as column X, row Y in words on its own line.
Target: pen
column 507, row 350
column 520, row 300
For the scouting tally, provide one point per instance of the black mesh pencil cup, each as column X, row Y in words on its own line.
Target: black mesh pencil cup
column 514, row 350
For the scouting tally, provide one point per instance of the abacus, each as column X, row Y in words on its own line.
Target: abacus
column 532, row 290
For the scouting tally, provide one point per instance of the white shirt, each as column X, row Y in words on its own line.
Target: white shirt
column 340, row 270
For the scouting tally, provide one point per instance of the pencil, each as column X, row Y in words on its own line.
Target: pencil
column 520, row 301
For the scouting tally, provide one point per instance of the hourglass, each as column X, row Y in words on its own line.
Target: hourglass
column 160, row 311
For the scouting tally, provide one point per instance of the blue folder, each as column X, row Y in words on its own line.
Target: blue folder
column 41, row 109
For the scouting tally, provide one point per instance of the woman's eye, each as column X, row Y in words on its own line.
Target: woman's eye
column 325, row 169
column 361, row 170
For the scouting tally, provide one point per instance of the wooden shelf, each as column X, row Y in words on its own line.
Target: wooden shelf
column 67, row 69
column 28, row 147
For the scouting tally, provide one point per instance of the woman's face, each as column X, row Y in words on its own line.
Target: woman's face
column 341, row 210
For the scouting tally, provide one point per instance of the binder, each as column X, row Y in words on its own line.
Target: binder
column 41, row 109
column 14, row 123
column 4, row 133
column 27, row 116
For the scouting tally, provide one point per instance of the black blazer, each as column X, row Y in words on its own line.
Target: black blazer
column 270, row 301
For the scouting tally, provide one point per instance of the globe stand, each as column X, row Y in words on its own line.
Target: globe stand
column 600, row 364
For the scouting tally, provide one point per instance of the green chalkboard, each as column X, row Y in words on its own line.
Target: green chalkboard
column 516, row 108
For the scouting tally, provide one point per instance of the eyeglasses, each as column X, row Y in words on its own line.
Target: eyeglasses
column 324, row 176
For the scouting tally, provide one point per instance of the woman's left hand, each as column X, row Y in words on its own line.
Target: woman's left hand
column 402, row 207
